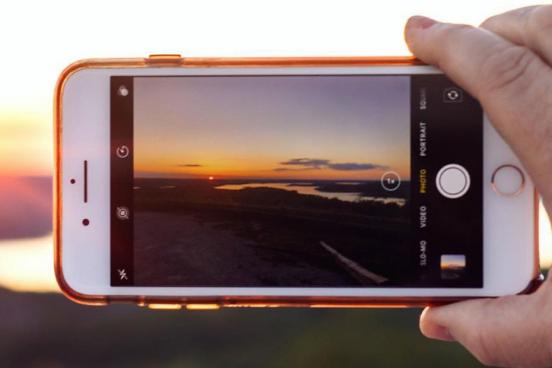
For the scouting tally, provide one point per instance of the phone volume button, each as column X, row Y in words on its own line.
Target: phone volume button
column 171, row 59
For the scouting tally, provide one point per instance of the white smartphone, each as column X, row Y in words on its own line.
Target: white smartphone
column 282, row 183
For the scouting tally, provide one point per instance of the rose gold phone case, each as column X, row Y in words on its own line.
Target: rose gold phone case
column 215, row 302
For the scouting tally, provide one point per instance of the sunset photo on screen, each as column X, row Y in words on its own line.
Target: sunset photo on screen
column 271, row 181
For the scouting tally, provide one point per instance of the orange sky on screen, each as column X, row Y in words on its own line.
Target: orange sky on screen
column 260, row 171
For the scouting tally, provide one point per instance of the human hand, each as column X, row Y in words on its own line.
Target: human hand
column 506, row 64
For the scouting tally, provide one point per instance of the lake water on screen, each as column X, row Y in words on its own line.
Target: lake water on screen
column 310, row 189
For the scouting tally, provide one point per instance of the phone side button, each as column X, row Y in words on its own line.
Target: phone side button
column 164, row 56
column 165, row 59
column 163, row 306
column 508, row 180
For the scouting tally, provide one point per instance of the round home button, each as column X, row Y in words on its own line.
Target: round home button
column 508, row 180
column 453, row 181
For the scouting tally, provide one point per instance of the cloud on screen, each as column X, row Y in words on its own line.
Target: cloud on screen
column 189, row 165
column 296, row 164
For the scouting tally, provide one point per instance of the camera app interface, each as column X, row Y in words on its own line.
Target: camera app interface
column 295, row 181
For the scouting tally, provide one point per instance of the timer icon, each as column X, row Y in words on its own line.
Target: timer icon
column 122, row 151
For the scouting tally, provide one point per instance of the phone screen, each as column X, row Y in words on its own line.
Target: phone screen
column 295, row 181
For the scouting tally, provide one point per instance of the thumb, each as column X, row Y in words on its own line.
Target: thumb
column 507, row 331
column 511, row 82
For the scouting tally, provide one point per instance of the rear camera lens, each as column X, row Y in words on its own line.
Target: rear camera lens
column 85, row 222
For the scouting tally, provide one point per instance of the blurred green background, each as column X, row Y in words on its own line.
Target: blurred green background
column 46, row 330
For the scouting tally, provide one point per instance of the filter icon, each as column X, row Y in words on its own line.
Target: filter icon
column 122, row 213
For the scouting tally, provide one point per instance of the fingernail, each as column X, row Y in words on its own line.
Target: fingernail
column 441, row 333
column 420, row 22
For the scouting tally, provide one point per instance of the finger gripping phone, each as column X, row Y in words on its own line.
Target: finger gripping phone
column 284, row 182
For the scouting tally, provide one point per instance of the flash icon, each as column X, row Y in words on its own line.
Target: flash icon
column 122, row 274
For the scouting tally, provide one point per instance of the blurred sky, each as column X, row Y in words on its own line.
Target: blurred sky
column 39, row 38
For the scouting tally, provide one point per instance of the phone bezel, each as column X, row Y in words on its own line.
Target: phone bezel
column 82, row 133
